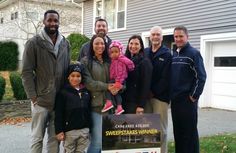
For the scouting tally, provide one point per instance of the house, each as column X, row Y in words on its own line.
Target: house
column 21, row 19
column 211, row 25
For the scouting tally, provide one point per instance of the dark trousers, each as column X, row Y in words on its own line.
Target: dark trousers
column 116, row 99
column 184, row 115
column 129, row 107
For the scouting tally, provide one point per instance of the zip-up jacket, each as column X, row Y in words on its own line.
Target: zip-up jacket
column 161, row 62
column 188, row 73
column 72, row 109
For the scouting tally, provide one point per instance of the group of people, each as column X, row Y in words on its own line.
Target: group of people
column 68, row 100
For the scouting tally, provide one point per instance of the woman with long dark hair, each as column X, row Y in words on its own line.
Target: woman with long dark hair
column 138, row 81
column 96, row 80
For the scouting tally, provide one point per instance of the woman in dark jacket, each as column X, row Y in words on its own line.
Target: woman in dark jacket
column 138, row 81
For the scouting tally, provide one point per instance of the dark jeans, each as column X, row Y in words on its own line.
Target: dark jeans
column 116, row 99
column 184, row 115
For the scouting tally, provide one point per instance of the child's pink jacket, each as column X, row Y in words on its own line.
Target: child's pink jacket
column 119, row 68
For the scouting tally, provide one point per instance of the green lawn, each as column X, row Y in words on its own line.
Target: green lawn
column 214, row 144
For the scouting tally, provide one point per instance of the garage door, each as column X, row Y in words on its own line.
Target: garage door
column 224, row 75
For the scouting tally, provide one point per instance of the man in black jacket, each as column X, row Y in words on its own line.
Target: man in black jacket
column 73, row 112
column 187, row 83
column 101, row 28
column 161, row 61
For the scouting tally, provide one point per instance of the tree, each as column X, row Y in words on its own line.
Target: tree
column 27, row 17
column 76, row 42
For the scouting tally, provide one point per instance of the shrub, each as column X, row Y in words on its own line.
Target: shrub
column 76, row 41
column 17, row 87
column 8, row 56
column 2, row 87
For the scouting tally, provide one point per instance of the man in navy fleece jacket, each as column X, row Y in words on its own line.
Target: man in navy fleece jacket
column 160, row 57
column 187, row 83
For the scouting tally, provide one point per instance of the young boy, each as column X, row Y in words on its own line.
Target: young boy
column 72, row 112
column 119, row 68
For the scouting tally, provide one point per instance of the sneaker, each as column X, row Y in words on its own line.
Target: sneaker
column 119, row 110
column 107, row 106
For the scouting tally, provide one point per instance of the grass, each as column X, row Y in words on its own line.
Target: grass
column 225, row 143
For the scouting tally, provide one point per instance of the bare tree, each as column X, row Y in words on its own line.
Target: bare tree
column 31, row 16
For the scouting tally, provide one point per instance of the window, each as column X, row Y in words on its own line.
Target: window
column 113, row 11
column 32, row 15
column 168, row 39
column 98, row 10
column 225, row 61
column 14, row 15
column 121, row 14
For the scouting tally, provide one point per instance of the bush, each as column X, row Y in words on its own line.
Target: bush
column 8, row 56
column 2, row 87
column 76, row 41
column 17, row 87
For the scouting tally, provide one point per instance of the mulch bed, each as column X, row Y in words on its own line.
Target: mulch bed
column 15, row 120
column 15, row 112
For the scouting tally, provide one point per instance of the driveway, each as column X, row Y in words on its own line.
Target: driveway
column 16, row 138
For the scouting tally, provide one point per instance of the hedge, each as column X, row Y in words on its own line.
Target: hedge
column 17, row 87
column 8, row 56
column 2, row 87
column 76, row 41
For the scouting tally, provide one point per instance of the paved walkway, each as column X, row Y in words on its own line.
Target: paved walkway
column 211, row 121
column 16, row 138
